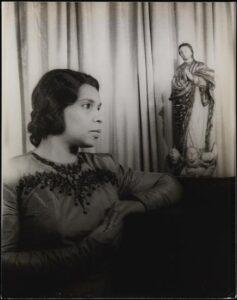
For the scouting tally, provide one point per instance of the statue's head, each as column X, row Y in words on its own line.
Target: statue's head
column 185, row 51
column 192, row 157
column 208, row 157
column 174, row 156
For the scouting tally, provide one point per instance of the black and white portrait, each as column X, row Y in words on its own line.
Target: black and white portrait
column 118, row 149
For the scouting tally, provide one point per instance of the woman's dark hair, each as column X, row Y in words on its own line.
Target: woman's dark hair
column 56, row 90
column 186, row 45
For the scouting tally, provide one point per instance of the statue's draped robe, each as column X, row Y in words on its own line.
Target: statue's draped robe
column 185, row 95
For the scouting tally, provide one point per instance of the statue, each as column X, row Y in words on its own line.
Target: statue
column 175, row 161
column 194, row 164
column 192, row 109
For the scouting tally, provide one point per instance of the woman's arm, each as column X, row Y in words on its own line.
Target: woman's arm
column 154, row 190
column 21, row 267
column 141, row 191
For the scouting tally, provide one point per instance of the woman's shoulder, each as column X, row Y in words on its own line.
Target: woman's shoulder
column 101, row 160
column 16, row 167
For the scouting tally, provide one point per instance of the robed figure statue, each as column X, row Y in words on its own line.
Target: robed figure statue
column 193, row 109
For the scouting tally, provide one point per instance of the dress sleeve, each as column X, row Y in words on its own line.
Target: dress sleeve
column 21, row 266
column 154, row 190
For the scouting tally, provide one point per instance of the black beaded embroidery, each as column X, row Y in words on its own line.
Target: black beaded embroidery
column 62, row 168
column 68, row 180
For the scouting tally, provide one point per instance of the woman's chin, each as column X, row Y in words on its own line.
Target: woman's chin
column 82, row 145
column 86, row 145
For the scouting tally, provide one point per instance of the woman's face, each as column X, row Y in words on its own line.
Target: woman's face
column 82, row 118
column 185, row 52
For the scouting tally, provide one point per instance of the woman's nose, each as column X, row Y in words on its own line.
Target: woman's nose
column 97, row 118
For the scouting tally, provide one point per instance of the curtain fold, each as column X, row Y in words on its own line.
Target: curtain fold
column 12, row 110
column 131, row 48
column 146, row 99
column 225, row 83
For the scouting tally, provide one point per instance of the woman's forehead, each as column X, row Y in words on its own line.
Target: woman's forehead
column 86, row 91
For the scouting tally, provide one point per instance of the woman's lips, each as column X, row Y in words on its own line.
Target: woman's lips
column 96, row 130
column 95, row 133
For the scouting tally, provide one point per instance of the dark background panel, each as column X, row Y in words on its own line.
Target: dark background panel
column 183, row 251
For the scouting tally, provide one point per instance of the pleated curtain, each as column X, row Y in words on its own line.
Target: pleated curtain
column 131, row 48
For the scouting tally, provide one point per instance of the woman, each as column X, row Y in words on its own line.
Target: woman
column 62, row 209
column 193, row 103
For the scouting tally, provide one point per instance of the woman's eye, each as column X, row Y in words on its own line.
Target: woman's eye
column 86, row 105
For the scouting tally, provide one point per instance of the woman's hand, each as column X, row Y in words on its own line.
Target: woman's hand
column 123, row 208
column 107, row 232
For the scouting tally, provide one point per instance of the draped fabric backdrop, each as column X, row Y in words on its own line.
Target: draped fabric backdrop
column 131, row 48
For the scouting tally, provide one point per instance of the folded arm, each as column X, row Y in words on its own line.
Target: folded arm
column 154, row 190
column 26, row 266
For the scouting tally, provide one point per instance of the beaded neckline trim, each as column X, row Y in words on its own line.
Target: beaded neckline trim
column 68, row 180
column 60, row 167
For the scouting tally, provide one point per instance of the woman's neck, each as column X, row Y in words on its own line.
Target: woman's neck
column 54, row 149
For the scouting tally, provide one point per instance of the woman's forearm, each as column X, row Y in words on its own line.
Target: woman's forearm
column 166, row 191
column 52, row 263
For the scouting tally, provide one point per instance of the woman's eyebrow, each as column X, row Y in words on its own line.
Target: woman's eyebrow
column 90, row 100
column 87, row 99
